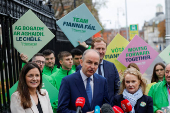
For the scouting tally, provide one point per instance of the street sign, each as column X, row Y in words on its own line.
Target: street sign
column 133, row 30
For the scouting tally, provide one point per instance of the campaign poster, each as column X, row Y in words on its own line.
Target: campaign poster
column 165, row 54
column 114, row 49
column 139, row 52
column 79, row 25
column 30, row 34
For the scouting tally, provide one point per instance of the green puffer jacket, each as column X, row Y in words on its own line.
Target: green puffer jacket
column 49, row 71
column 159, row 94
column 74, row 68
column 59, row 75
column 57, row 78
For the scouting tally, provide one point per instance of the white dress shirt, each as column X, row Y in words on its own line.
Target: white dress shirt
column 102, row 69
column 84, row 77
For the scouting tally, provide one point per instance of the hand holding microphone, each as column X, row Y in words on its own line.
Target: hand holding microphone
column 126, row 106
column 80, row 101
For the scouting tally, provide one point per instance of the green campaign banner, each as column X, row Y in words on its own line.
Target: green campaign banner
column 30, row 34
column 52, row 91
column 79, row 25
column 165, row 55
column 114, row 49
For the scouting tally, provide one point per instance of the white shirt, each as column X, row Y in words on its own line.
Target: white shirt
column 84, row 77
column 102, row 69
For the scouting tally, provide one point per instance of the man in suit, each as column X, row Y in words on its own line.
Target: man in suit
column 84, row 83
column 106, row 68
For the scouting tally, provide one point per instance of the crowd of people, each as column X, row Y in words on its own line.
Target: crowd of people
column 87, row 74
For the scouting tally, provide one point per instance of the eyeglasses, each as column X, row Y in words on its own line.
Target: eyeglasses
column 39, row 62
column 159, row 70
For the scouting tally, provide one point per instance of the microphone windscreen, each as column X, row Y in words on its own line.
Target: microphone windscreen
column 97, row 109
column 126, row 106
column 117, row 109
column 80, row 101
column 106, row 108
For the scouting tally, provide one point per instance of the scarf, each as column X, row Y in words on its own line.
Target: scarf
column 133, row 98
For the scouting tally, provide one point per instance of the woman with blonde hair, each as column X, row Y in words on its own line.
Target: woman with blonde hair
column 133, row 89
column 131, row 65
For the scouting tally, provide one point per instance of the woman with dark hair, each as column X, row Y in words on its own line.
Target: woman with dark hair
column 158, row 72
column 29, row 97
column 157, row 76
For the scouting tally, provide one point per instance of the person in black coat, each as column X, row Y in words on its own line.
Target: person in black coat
column 133, row 89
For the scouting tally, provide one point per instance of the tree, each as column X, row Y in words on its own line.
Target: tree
column 161, row 28
column 62, row 7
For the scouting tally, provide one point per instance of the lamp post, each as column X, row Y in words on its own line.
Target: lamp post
column 127, row 33
column 74, row 3
column 119, row 9
column 167, row 20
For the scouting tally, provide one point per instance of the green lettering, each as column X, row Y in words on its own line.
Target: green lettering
column 81, row 20
column 129, row 49
column 17, row 27
column 140, row 53
column 145, row 47
column 85, row 20
column 74, row 19
column 16, row 33
column 127, row 54
column 137, row 53
column 77, row 19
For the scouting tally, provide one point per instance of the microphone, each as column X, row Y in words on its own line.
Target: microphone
column 107, row 108
column 80, row 101
column 117, row 109
column 97, row 109
column 126, row 106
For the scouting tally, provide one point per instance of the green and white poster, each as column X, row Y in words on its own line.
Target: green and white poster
column 79, row 25
column 30, row 34
column 165, row 55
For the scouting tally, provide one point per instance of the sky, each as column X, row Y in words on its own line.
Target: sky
column 138, row 11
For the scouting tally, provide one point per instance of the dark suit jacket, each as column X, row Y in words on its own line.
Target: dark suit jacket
column 138, row 107
column 72, row 87
column 112, row 77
